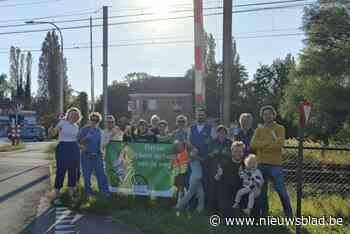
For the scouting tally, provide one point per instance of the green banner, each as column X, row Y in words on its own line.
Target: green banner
column 140, row 168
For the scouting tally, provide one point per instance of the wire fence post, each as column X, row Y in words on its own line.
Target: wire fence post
column 300, row 176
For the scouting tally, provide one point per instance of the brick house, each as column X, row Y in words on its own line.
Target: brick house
column 165, row 96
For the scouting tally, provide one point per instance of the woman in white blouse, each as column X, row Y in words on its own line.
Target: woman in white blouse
column 67, row 150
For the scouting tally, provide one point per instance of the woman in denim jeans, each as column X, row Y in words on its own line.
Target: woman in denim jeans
column 91, row 156
column 268, row 142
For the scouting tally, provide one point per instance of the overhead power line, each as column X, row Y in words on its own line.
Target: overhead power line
column 149, row 20
column 75, row 13
column 77, row 47
column 216, row 37
column 29, row 3
column 142, row 13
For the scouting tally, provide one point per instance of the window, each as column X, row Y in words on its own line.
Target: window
column 138, row 107
column 177, row 104
column 152, row 105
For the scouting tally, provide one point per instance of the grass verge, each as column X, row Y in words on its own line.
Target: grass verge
column 156, row 215
column 9, row 147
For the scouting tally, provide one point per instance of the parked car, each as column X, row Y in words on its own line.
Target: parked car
column 35, row 133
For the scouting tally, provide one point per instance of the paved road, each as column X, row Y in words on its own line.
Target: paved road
column 24, row 207
column 23, row 182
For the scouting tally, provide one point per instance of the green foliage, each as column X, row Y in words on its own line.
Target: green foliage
column 48, row 120
column 267, row 87
column 343, row 136
column 48, row 95
column 213, row 78
column 213, row 89
column 28, row 83
column 323, row 76
column 4, row 86
column 118, row 92
column 14, row 70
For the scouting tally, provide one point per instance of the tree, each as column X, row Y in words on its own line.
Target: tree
column 4, row 86
column 323, row 76
column 117, row 92
column 68, row 90
column 14, row 70
column 82, row 103
column 327, row 29
column 28, row 83
column 136, row 76
column 20, row 86
column 49, row 74
column 238, row 81
column 211, row 78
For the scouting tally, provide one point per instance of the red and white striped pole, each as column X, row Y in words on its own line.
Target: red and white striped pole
column 198, row 52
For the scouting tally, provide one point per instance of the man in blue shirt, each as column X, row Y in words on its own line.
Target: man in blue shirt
column 201, row 134
column 91, row 155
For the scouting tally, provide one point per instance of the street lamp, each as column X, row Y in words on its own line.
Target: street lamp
column 61, row 60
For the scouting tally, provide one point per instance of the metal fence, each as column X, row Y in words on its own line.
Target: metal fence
column 326, row 171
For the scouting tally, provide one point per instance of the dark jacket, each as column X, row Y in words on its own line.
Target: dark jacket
column 229, row 184
column 245, row 138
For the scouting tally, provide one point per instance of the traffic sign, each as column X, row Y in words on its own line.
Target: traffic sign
column 305, row 111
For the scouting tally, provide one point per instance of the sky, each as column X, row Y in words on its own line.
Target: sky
column 132, row 49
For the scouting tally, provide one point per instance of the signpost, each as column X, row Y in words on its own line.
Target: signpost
column 304, row 111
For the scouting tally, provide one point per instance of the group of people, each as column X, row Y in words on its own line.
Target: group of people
column 212, row 170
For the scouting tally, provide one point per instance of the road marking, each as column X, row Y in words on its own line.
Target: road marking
column 62, row 226
column 76, row 218
column 64, row 232
column 65, row 221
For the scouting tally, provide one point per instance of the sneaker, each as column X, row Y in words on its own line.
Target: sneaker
column 236, row 205
column 178, row 213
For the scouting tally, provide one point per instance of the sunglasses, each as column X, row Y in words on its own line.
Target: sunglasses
column 94, row 120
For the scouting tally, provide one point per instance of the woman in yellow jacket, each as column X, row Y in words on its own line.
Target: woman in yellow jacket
column 267, row 142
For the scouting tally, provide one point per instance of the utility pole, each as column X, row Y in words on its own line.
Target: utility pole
column 198, row 52
column 105, row 63
column 92, row 71
column 227, row 60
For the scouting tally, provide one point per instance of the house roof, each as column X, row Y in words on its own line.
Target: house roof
column 162, row 85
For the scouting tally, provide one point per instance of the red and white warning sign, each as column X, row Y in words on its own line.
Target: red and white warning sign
column 305, row 111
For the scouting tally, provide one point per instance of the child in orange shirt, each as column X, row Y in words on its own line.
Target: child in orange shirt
column 179, row 166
